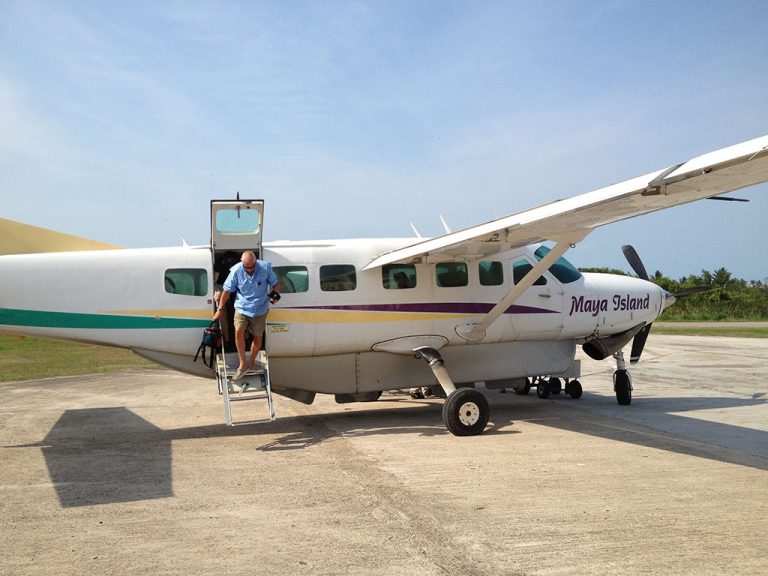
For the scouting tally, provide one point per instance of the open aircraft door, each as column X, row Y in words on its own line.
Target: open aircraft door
column 236, row 225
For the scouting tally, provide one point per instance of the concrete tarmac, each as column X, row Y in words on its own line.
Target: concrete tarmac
column 135, row 473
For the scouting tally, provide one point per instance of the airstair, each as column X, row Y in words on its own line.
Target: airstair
column 254, row 386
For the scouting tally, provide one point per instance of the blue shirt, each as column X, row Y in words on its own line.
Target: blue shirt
column 251, row 291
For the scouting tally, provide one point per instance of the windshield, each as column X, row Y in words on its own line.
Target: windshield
column 563, row 270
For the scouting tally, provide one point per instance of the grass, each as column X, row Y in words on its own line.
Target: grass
column 27, row 358
column 711, row 330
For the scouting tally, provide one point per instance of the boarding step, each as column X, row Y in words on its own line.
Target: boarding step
column 254, row 385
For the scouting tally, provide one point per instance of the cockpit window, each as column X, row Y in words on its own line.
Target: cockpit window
column 521, row 268
column 563, row 270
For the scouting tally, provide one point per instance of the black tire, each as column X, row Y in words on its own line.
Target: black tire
column 466, row 412
column 622, row 384
column 555, row 386
column 542, row 388
column 574, row 389
column 523, row 390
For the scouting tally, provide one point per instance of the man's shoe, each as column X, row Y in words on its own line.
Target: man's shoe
column 238, row 375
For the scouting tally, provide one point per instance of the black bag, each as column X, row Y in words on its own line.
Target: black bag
column 211, row 341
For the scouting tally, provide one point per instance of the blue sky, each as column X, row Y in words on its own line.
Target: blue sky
column 356, row 118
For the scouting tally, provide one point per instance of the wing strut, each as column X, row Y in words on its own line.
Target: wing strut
column 474, row 332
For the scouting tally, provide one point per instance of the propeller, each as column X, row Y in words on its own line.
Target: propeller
column 638, row 342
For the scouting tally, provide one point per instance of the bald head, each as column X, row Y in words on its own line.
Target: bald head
column 248, row 259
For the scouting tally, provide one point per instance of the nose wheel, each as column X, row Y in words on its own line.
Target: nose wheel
column 622, row 382
column 622, row 385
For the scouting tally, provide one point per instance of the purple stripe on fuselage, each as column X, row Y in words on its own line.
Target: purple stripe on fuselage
column 432, row 308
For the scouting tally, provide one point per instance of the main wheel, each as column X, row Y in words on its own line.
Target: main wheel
column 524, row 389
column 555, row 386
column 622, row 384
column 573, row 389
column 542, row 389
column 466, row 412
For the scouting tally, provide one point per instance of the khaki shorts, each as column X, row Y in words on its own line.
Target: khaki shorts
column 257, row 324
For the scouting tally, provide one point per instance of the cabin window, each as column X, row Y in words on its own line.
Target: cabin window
column 451, row 274
column 337, row 277
column 186, row 281
column 237, row 221
column 521, row 268
column 491, row 273
column 563, row 270
column 292, row 278
column 398, row 276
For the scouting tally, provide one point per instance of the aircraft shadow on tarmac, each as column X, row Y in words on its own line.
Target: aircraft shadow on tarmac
column 109, row 455
column 657, row 422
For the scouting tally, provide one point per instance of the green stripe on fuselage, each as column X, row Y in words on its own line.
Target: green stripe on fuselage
column 43, row 319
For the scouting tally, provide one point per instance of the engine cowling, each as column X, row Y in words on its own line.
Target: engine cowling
column 602, row 348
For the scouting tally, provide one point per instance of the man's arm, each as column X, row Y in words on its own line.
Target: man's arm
column 275, row 288
column 221, row 304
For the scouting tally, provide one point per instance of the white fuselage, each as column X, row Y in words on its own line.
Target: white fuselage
column 323, row 336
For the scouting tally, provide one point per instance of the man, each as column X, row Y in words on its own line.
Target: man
column 250, row 281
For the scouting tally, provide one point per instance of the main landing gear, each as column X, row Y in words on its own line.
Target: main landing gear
column 547, row 386
column 466, row 411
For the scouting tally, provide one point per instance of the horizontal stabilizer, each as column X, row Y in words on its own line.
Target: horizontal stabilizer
column 18, row 238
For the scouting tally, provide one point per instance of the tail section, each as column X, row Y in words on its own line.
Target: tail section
column 18, row 238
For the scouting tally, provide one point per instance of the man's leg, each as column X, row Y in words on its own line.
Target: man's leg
column 255, row 347
column 258, row 325
column 240, row 343
column 241, row 325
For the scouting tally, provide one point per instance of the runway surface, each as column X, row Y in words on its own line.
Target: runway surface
column 136, row 473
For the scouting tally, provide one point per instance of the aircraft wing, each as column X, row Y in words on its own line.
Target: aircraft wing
column 569, row 221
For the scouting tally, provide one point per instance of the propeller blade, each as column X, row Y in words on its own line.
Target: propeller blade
column 638, row 343
column 694, row 290
column 634, row 260
column 728, row 199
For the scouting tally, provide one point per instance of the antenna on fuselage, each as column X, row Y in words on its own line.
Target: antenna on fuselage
column 418, row 234
column 184, row 242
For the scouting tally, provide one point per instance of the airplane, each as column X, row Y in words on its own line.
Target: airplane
column 495, row 303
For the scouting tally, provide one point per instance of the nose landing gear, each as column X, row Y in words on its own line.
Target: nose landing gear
column 622, row 382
